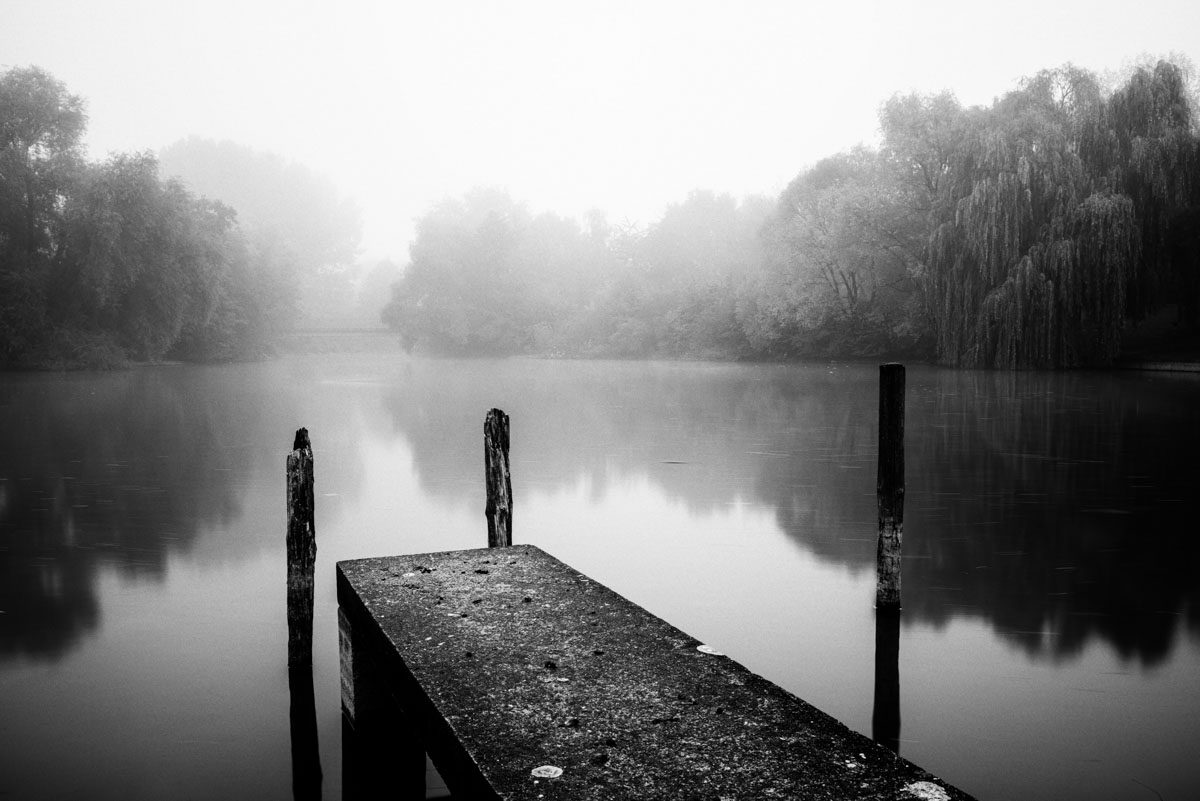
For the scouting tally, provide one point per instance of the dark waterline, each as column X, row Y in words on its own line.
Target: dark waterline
column 1049, row 645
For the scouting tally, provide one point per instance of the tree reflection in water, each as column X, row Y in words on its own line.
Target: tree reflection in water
column 124, row 471
column 1051, row 505
column 1053, row 508
column 115, row 469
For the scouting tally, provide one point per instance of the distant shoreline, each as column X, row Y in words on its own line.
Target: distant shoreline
column 1192, row 366
column 348, row 341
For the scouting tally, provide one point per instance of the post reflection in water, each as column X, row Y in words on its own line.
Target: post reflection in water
column 885, row 715
column 306, row 755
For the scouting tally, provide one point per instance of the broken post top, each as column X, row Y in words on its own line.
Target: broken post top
column 302, row 441
column 495, row 428
column 513, row 660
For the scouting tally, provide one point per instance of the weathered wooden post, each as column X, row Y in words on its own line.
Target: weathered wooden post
column 301, row 550
column 302, row 558
column 890, row 485
column 499, row 480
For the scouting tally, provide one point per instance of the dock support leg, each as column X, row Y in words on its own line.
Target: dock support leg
column 383, row 753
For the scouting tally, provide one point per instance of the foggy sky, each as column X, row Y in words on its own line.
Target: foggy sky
column 624, row 106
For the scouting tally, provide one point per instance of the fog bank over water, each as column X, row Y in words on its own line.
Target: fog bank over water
column 570, row 107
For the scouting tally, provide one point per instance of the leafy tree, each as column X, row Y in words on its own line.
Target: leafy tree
column 281, row 200
column 844, row 249
column 1025, row 234
column 922, row 137
column 461, row 292
column 1152, row 154
column 100, row 262
column 41, row 124
column 162, row 270
column 119, row 270
column 40, row 128
column 286, row 209
column 485, row 277
column 1054, row 224
column 677, row 284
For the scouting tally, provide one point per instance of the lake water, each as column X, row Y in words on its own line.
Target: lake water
column 1050, row 638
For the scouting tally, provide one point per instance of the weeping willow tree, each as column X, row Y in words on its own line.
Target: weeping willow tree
column 1156, row 162
column 1057, row 219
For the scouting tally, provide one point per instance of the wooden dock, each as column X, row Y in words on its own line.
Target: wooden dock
column 525, row 679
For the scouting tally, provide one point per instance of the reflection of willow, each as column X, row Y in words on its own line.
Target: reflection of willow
column 1054, row 506
column 1041, row 502
column 111, row 470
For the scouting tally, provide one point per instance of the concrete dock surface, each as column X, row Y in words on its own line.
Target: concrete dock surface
column 525, row 679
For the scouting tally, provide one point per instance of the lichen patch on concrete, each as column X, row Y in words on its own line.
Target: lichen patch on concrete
column 926, row 791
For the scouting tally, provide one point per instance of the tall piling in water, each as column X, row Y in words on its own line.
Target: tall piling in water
column 890, row 485
column 301, row 550
column 499, row 480
column 302, row 558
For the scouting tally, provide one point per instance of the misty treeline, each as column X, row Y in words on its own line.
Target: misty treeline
column 487, row 277
column 102, row 262
column 1031, row 233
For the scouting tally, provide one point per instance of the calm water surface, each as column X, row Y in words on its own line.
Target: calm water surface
column 1050, row 641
